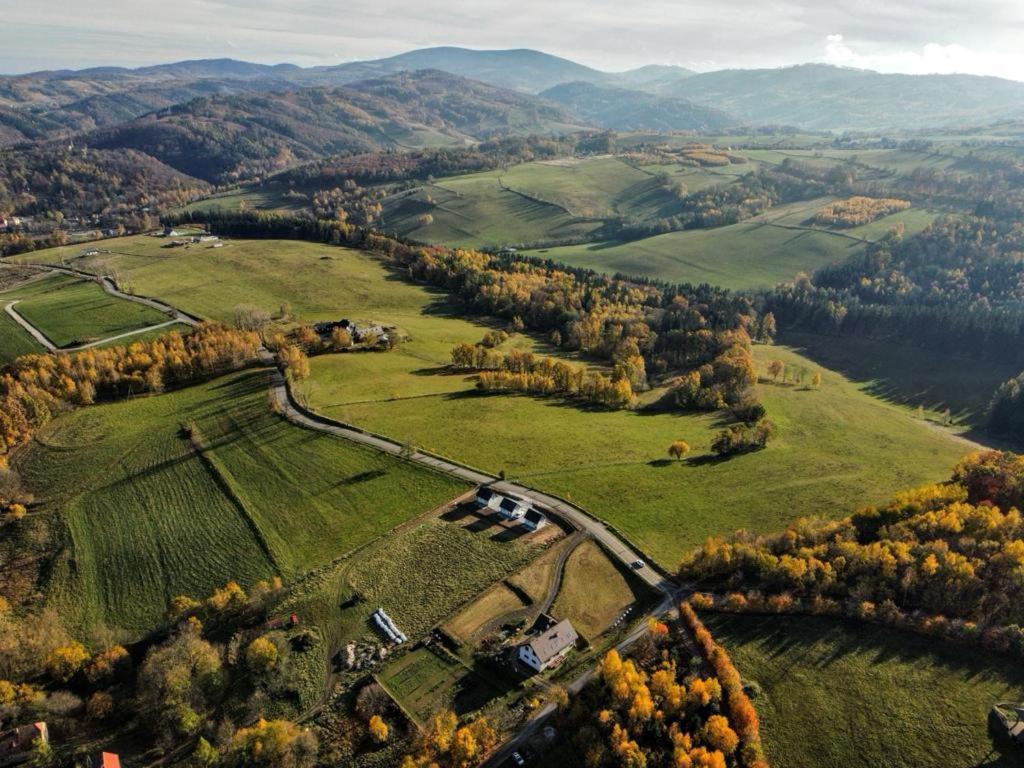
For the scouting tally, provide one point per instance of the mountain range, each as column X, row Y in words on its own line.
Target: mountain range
column 813, row 96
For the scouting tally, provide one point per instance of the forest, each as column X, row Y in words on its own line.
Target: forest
column 944, row 559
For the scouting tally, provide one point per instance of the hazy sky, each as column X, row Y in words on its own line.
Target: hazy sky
column 976, row 36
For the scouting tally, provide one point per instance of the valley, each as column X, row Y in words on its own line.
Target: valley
column 469, row 409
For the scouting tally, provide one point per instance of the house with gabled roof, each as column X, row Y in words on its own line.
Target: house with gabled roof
column 534, row 520
column 512, row 508
column 551, row 642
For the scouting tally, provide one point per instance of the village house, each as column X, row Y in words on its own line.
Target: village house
column 551, row 643
column 513, row 509
column 485, row 497
column 16, row 745
column 534, row 520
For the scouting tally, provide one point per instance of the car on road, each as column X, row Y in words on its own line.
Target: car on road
column 636, row 565
column 518, row 759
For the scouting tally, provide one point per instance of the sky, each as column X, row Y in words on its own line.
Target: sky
column 917, row 37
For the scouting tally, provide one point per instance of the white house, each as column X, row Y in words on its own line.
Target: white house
column 485, row 497
column 549, row 646
column 534, row 520
column 513, row 509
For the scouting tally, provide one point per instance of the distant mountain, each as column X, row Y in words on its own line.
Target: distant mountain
column 623, row 109
column 654, row 78
column 520, row 69
column 817, row 96
column 224, row 139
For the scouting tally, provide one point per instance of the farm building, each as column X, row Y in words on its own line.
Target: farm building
column 534, row 520
column 551, row 643
column 16, row 744
column 1011, row 716
column 512, row 509
column 485, row 497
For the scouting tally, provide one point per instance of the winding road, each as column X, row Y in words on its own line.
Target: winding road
column 108, row 285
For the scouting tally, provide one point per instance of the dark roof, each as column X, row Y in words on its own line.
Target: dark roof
column 553, row 641
column 485, row 493
column 508, row 504
column 533, row 516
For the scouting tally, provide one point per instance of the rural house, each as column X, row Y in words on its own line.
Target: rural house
column 550, row 644
column 16, row 744
column 512, row 509
column 485, row 497
column 534, row 520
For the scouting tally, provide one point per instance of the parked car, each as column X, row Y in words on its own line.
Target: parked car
column 518, row 759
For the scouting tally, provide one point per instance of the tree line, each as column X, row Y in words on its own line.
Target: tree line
column 671, row 327
column 35, row 388
column 948, row 558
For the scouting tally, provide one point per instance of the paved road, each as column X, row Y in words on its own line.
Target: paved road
column 110, row 287
column 33, row 331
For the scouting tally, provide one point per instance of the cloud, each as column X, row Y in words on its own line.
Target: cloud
column 894, row 35
column 930, row 58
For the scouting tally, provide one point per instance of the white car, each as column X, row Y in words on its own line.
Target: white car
column 638, row 564
column 518, row 759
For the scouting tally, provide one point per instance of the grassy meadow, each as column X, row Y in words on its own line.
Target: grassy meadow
column 841, row 694
column 594, row 591
column 70, row 311
column 15, row 340
column 758, row 253
column 143, row 509
column 838, row 448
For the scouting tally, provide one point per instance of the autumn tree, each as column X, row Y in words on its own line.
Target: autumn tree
column 261, row 655
column 378, row 729
column 678, row 449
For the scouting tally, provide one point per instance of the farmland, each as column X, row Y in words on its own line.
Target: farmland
column 69, row 310
column 274, row 497
column 838, row 694
column 594, row 592
column 15, row 340
column 753, row 254
column 598, row 458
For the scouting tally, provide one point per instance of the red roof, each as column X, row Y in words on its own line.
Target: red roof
column 110, row 760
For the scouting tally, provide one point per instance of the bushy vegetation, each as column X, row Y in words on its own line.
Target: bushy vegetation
column 37, row 387
column 857, row 210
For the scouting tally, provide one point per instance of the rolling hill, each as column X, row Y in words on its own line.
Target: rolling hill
column 223, row 139
column 623, row 109
column 823, row 97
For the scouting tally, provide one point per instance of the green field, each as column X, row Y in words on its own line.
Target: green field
column 149, row 518
column 839, row 694
column 759, row 253
column 15, row 340
column 421, row 575
column 910, row 375
column 838, row 448
column 72, row 311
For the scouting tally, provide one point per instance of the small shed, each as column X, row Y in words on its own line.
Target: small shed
column 16, row 744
